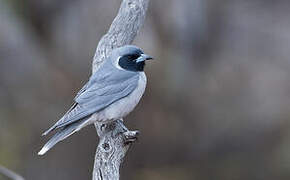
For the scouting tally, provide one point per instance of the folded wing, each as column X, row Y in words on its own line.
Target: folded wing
column 102, row 90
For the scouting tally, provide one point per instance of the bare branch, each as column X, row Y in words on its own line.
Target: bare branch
column 115, row 138
column 10, row 174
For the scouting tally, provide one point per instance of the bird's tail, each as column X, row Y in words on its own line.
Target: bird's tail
column 62, row 134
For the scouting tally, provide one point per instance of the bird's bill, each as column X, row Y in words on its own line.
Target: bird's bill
column 144, row 57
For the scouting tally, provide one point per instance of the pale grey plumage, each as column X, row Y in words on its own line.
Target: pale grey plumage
column 103, row 88
column 108, row 85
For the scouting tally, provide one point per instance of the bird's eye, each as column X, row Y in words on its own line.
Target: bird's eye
column 132, row 57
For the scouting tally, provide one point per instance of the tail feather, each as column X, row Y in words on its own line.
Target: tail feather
column 62, row 134
column 48, row 131
column 56, row 125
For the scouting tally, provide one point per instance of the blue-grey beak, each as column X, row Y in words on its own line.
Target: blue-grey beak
column 144, row 57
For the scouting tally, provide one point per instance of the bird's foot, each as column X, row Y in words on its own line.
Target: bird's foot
column 131, row 136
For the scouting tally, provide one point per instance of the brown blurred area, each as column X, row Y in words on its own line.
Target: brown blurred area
column 216, row 106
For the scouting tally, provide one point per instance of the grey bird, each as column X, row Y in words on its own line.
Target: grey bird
column 111, row 93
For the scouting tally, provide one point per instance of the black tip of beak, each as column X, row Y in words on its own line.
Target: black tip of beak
column 149, row 58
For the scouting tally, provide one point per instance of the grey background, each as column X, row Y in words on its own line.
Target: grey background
column 216, row 105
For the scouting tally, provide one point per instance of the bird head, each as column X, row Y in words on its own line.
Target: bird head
column 129, row 58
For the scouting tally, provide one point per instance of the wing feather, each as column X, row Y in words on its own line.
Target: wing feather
column 99, row 93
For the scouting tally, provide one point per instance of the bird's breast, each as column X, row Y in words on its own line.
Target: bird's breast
column 124, row 106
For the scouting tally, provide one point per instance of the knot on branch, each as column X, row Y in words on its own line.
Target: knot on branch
column 115, row 139
column 115, row 130
column 134, row 5
column 131, row 4
column 130, row 136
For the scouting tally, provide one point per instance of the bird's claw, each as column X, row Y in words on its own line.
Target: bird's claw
column 131, row 136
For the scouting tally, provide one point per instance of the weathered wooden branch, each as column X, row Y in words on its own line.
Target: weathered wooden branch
column 114, row 138
column 10, row 174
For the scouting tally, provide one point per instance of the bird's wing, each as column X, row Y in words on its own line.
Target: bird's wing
column 82, row 90
column 101, row 91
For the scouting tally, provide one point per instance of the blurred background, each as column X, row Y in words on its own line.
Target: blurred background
column 217, row 104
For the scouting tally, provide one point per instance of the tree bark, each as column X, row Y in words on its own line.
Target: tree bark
column 114, row 138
